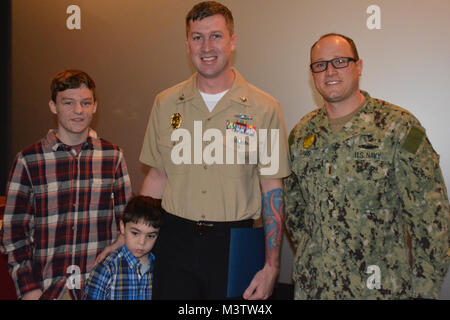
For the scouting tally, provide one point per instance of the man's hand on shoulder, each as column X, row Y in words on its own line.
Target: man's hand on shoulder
column 110, row 249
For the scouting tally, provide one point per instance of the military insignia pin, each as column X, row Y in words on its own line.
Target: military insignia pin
column 309, row 141
column 243, row 117
column 175, row 120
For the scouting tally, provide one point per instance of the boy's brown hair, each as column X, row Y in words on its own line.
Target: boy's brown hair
column 142, row 209
column 71, row 79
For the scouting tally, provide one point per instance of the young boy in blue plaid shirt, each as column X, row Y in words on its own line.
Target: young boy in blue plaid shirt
column 127, row 274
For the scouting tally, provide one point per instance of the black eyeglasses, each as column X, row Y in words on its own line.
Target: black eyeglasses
column 338, row 63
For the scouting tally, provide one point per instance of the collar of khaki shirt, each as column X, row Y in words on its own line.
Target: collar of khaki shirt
column 237, row 93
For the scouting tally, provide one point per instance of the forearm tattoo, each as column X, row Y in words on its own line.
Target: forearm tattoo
column 272, row 213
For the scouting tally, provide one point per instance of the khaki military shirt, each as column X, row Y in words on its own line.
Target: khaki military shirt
column 355, row 198
column 201, row 188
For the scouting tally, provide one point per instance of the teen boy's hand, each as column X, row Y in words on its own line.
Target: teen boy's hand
column 32, row 295
column 110, row 249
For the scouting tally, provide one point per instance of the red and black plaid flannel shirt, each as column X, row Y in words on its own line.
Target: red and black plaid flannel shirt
column 62, row 210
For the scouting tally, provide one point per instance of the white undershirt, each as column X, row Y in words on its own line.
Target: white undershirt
column 212, row 99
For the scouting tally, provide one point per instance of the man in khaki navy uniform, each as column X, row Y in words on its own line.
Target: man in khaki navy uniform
column 366, row 203
column 203, row 200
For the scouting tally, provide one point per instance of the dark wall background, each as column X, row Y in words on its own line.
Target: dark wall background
column 5, row 90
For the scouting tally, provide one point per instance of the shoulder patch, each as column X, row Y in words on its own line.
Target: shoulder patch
column 414, row 139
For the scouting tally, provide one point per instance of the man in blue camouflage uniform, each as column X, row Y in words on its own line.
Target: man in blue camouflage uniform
column 366, row 204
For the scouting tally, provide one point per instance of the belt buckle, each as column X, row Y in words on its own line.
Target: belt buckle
column 203, row 227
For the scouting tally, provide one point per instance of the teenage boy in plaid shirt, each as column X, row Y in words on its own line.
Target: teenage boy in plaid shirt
column 127, row 274
column 65, row 197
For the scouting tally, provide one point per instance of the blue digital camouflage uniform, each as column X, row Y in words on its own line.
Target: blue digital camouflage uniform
column 356, row 199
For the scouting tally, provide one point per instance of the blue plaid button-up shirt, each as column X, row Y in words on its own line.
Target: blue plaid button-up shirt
column 119, row 277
